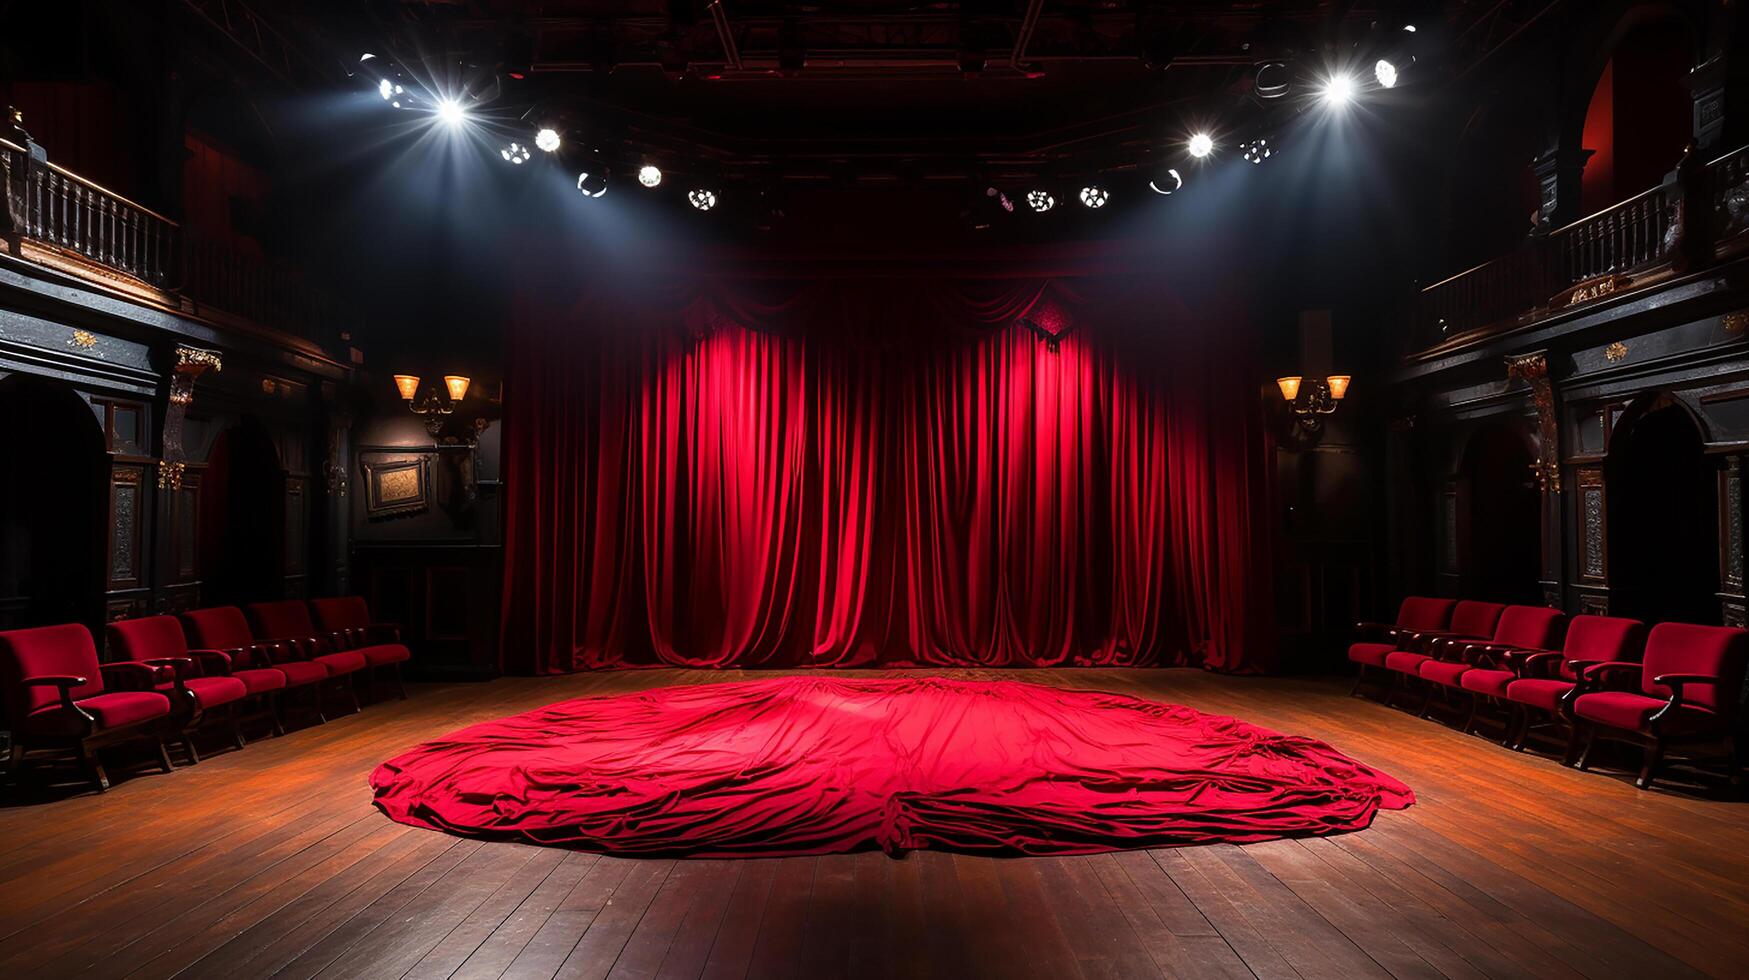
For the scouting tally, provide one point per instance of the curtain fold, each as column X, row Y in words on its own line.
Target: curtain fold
column 883, row 472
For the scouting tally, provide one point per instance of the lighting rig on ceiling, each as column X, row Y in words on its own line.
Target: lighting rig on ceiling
column 1279, row 88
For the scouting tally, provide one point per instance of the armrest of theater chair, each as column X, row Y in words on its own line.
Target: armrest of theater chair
column 183, row 666
column 135, row 675
column 382, row 633
column 66, row 682
column 1495, row 655
column 1538, row 663
column 1675, row 682
column 279, row 651
column 213, row 663
column 1598, row 676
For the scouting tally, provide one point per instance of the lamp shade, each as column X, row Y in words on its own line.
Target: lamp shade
column 1290, row 387
column 1338, row 385
column 457, row 385
column 407, row 385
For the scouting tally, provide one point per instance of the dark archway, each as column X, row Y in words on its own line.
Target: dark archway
column 1663, row 516
column 53, row 508
column 1503, row 561
column 242, row 518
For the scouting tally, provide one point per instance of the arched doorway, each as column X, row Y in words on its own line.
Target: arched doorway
column 1503, row 562
column 242, row 518
column 54, row 508
column 1663, row 516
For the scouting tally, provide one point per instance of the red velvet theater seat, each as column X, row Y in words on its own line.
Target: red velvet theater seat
column 347, row 624
column 1418, row 615
column 288, row 621
column 1536, row 682
column 205, row 674
column 1470, row 620
column 1685, row 693
column 57, row 696
column 263, row 667
column 1533, row 629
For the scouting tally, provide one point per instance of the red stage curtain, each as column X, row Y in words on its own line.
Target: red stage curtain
column 883, row 472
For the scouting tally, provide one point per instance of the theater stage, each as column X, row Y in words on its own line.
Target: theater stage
column 273, row 861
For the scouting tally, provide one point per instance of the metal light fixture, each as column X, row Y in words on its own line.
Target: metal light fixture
column 1311, row 398
column 433, row 407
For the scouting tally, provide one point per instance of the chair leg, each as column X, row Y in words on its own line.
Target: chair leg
column 351, row 686
column 1470, row 718
column 273, row 712
column 94, row 766
column 188, row 747
column 237, row 738
column 1353, row 692
column 164, row 755
column 1649, row 768
column 15, row 759
column 1427, row 700
column 1584, row 762
column 401, row 686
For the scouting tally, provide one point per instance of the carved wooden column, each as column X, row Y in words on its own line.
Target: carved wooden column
column 1533, row 370
column 191, row 363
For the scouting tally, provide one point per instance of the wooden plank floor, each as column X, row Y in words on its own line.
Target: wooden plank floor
column 272, row 862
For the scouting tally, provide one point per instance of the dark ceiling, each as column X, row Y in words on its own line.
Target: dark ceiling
column 875, row 90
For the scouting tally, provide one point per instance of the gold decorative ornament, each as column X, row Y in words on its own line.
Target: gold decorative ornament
column 83, row 339
column 1615, row 352
column 1735, row 322
column 170, row 474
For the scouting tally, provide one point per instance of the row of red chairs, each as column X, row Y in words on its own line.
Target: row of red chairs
column 1674, row 687
column 174, row 677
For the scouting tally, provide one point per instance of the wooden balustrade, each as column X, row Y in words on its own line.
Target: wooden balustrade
column 1629, row 240
column 50, row 206
column 54, row 206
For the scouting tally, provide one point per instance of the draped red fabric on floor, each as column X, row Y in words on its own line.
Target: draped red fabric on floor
column 817, row 765
column 892, row 472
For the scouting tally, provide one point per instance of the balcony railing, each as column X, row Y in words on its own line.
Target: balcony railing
column 1612, row 250
column 59, row 212
column 57, row 207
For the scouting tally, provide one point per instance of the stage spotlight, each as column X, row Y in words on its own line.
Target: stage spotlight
column 515, row 153
column 1040, row 200
column 547, row 139
column 1338, row 91
column 1386, row 73
column 1256, row 151
column 1094, row 196
column 702, row 199
column 451, row 113
column 649, row 175
column 592, row 183
column 1167, row 182
column 1201, row 145
column 1271, row 80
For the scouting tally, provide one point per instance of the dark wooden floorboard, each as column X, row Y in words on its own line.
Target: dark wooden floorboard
column 271, row 862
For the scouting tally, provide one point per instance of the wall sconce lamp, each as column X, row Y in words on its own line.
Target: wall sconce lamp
column 433, row 407
column 1311, row 398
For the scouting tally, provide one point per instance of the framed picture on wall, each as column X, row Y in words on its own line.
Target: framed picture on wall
column 396, row 485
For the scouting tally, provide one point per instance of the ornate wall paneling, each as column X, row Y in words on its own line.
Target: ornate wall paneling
column 1734, row 607
column 186, row 442
column 1592, row 502
column 126, row 428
